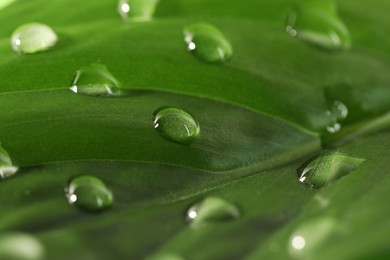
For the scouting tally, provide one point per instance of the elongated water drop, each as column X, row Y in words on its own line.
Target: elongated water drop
column 89, row 193
column 7, row 169
column 95, row 80
column 207, row 43
column 316, row 22
column 212, row 209
column 326, row 168
column 20, row 246
column 137, row 9
column 309, row 236
column 32, row 38
column 176, row 125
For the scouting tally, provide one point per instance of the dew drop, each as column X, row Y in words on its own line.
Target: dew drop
column 326, row 168
column 139, row 10
column 95, row 80
column 317, row 23
column 176, row 125
column 309, row 236
column 207, row 43
column 89, row 193
column 212, row 209
column 20, row 246
column 32, row 38
column 7, row 169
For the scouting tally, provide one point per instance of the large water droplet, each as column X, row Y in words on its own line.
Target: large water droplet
column 95, row 80
column 7, row 169
column 176, row 125
column 212, row 209
column 309, row 236
column 33, row 37
column 137, row 9
column 326, row 168
column 207, row 43
column 20, row 246
column 89, row 193
column 317, row 23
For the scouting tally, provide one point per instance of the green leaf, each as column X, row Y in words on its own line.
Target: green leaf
column 262, row 114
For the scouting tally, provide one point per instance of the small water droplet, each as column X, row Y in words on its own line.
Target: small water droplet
column 7, row 169
column 32, row 38
column 20, row 246
column 212, row 209
column 346, row 102
column 95, row 80
column 309, row 236
column 89, row 193
column 317, row 23
column 176, row 125
column 207, row 43
column 327, row 168
column 141, row 10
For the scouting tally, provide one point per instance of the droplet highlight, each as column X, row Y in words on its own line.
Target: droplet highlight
column 207, row 43
column 95, row 80
column 32, row 38
column 138, row 10
column 7, row 169
column 309, row 236
column 326, row 168
column 212, row 209
column 176, row 125
column 317, row 23
column 89, row 193
column 20, row 246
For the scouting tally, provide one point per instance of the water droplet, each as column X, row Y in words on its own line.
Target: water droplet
column 20, row 246
column 7, row 169
column 137, row 9
column 32, row 38
column 326, row 168
column 89, row 193
column 309, row 236
column 176, row 125
column 317, row 23
column 95, row 80
column 212, row 209
column 207, row 43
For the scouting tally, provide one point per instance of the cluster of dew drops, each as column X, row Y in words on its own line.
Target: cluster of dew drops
column 209, row 45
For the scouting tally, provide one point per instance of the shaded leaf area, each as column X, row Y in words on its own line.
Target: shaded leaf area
column 51, row 126
column 151, row 200
column 149, row 213
column 270, row 71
